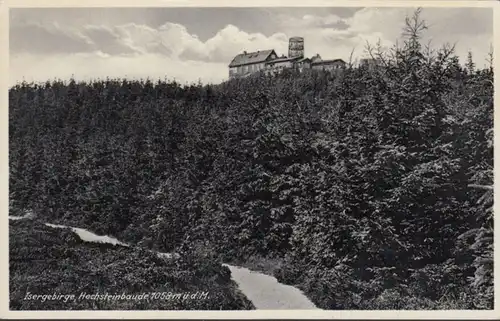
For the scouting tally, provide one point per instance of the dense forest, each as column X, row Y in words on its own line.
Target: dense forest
column 372, row 187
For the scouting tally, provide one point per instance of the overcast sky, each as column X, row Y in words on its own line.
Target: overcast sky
column 198, row 43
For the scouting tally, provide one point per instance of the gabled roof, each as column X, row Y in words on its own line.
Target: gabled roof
column 283, row 59
column 251, row 58
column 370, row 60
column 326, row 62
column 316, row 57
column 304, row 59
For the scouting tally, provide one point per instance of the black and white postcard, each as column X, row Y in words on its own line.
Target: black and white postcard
column 323, row 156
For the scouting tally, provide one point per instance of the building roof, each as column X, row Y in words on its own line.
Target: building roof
column 282, row 59
column 316, row 57
column 327, row 62
column 247, row 58
column 370, row 60
column 304, row 59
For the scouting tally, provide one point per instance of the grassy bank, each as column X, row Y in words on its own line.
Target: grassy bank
column 46, row 261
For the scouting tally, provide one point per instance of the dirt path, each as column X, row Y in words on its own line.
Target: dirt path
column 265, row 292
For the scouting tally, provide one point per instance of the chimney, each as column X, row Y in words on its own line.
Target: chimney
column 245, row 52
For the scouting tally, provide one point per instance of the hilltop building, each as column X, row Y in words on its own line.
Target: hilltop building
column 370, row 63
column 320, row 64
column 268, row 61
column 246, row 63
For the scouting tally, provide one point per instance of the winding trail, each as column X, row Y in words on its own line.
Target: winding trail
column 265, row 292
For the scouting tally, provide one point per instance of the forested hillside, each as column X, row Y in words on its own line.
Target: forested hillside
column 373, row 187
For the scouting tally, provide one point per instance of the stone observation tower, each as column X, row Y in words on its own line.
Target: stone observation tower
column 296, row 47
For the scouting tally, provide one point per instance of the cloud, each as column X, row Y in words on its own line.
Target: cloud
column 387, row 21
column 178, row 40
column 170, row 39
column 230, row 41
column 138, row 49
column 107, row 40
column 175, row 41
column 459, row 21
column 333, row 36
column 135, row 50
column 312, row 21
column 470, row 28
column 47, row 39
column 336, row 37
